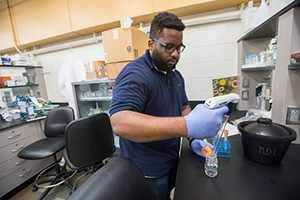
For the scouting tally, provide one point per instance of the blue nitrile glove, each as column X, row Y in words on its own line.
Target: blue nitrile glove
column 201, row 148
column 203, row 122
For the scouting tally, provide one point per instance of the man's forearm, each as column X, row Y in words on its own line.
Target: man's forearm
column 140, row 127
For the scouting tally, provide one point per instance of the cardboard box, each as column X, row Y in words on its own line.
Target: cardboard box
column 113, row 69
column 124, row 44
column 92, row 75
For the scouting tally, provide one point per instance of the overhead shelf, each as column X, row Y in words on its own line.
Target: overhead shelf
column 257, row 68
column 294, row 67
column 18, row 86
column 18, row 66
column 96, row 99
column 269, row 27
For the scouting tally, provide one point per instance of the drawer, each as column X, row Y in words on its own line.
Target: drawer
column 12, row 150
column 12, row 165
column 18, row 133
column 24, row 173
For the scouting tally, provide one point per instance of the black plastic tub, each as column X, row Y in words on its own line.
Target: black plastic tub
column 265, row 142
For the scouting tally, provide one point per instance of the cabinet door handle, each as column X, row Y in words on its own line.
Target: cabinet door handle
column 21, row 162
column 13, row 136
column 15, row 150
column 22, row 175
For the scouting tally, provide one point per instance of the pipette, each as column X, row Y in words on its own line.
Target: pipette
column 230, row 100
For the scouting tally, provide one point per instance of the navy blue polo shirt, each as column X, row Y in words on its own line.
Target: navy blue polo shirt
column 141, row 87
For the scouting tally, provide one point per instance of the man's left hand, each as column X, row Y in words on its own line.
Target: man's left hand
column 201, row 148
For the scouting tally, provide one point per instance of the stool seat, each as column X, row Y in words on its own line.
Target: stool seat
column 43, row 148
column 55, row 124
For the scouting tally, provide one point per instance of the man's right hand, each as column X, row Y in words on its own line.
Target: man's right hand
column 203, row 122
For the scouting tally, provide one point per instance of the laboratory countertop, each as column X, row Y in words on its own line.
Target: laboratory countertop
column 238, row 177
column 6, row 125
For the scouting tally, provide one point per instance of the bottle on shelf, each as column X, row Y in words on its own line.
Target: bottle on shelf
column 110, row 91
column 262, row 55
column 102, row 69
column 247, row 16
column 271, row 52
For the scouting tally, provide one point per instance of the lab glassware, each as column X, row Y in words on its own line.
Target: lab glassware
column 211, row 164
column 90, row 93
column 211, row 161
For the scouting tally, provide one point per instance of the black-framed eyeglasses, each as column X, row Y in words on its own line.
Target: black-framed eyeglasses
column 170, row 48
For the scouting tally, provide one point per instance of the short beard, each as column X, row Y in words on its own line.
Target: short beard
column 159, row 62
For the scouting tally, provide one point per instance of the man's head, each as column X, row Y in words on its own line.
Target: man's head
column 165, row 43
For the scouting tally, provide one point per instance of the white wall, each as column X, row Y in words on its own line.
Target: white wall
column 52, row 62
column 211, row 52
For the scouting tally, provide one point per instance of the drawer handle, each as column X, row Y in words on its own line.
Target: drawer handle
column 21, row 162
column 22, row 175
column 14, row 136
column 15, row 150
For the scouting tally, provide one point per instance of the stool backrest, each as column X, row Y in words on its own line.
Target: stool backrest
column 89, row 140
column 57, row 121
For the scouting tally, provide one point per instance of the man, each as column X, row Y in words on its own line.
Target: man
column 148, row 105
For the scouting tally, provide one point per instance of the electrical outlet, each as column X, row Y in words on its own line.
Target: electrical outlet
column 245, row 95
column 293, row 115
column 246, row 82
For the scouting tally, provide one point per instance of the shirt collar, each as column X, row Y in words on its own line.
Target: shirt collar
column 152, row 65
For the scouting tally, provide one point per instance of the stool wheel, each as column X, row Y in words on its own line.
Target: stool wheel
column 34, row 188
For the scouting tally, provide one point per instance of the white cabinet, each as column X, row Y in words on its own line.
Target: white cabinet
column 23, row 173
column 93, row 96
column 39, row 22
column 7, row 40
column 16, row 134
column 13, row 170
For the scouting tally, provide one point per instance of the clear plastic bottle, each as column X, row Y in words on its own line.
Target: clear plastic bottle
column 101, row 69
column 110, row 92
column 257, row 58
column 246, row 60
column 275, row 55
column 262, row 57
column 247, row 16
column 271, row 50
